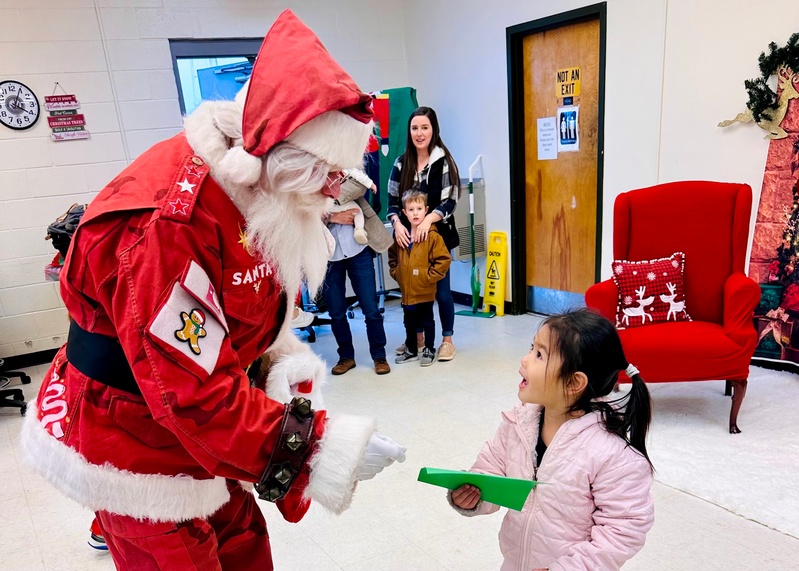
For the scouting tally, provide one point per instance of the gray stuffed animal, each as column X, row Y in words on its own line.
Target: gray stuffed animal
column 369, row 229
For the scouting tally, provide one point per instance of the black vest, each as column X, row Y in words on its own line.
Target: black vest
column 431, row 186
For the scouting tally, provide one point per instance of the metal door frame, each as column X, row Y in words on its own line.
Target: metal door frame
column 514, row 40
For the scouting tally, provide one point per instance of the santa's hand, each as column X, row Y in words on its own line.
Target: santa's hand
column 381, row 451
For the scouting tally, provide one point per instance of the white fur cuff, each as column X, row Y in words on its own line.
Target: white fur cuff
column 289, row 370
column 335, row 465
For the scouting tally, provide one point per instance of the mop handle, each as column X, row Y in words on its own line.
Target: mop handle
column 479, row 159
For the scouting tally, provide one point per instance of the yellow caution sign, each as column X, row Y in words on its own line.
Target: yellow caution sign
column 567, row 82
column 497, row 264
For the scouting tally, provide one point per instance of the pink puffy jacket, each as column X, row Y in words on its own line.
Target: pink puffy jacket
column 597, row 508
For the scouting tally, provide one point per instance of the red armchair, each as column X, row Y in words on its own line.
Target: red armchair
column 709, row 222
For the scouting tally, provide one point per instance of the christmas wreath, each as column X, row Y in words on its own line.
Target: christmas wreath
column 762, row 99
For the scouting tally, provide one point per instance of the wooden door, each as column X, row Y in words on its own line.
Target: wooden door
column 561, row 194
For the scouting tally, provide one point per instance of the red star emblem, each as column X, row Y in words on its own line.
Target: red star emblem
column 193, row 171
column 179, row 206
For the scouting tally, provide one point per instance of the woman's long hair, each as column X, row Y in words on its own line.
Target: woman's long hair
column 409, row 157
column 589, row 343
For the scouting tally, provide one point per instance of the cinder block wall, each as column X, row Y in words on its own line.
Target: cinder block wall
column 114, row 56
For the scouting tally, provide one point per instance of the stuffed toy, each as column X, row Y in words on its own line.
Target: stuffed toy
column 351, row 192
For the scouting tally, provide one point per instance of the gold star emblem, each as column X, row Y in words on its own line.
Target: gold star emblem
column 244, row 241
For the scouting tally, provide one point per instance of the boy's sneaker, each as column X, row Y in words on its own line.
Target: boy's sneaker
column 402, row 348
column 96, row 539
column 428, row 356
column 406, row 358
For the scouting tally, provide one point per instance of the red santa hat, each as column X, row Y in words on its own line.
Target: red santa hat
column 298, row 93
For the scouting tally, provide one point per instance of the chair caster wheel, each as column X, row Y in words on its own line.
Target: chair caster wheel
column 26, row 380
column 351, row 314
column 23, row 409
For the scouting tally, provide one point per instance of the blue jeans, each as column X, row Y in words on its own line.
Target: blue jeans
column 446, row 306
column 361, row 270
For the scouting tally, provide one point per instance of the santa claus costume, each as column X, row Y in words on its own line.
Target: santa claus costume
column 177, row 280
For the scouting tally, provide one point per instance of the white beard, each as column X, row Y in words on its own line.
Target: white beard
column 284, row 224
column 286, row 230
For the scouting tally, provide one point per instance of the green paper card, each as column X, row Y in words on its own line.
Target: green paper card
column 508, row 492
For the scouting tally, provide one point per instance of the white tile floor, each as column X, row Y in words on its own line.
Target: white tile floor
column 442, row 414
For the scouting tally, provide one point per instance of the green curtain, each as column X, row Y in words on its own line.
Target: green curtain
column 402, row 102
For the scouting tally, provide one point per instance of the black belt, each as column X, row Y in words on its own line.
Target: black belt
column 100, row 358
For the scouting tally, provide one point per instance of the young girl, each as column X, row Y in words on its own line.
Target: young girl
column 596, row 507
column 428, row 166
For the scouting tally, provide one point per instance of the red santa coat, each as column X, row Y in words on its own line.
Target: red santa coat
column 161, row 262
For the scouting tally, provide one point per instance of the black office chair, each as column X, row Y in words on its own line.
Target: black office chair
column 12, row 397
column 312, row 306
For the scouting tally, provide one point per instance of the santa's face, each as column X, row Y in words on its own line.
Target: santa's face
column 332, row 187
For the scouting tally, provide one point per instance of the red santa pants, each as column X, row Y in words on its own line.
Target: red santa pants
column 235, row 537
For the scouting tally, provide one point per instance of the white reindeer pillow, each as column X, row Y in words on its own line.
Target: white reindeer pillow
column 650, row 291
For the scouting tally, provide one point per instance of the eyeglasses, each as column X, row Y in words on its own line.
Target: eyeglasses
column 335, row 180
column 336, row 177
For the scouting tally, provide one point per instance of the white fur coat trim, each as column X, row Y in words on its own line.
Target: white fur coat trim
column 153, row 496
column 290, row 370
column 229, row 167
column 335, row 466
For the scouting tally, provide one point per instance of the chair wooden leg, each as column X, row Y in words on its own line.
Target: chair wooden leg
column 738, row 393
column 727, row 388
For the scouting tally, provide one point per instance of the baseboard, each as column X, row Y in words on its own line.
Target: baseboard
column 775, row 365
column 28, row 360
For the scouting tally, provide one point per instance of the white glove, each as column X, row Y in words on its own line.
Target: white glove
column 381, row 451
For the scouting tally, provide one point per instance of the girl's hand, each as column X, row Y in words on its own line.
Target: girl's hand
column 374, row 188
column 422, row 230
column 401, row 235
column 466, row 497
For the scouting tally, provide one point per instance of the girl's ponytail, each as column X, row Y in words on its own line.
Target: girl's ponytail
column 638, row 412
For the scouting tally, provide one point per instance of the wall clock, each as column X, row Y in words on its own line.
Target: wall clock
column 19, row 108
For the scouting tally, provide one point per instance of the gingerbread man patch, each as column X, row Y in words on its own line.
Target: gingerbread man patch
column 192, row 329
column 186, row 327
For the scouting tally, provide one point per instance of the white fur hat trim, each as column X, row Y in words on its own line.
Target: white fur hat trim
column 334, row 137
column 240, row 166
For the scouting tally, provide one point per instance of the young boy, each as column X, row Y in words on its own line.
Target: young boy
column 416, row 270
